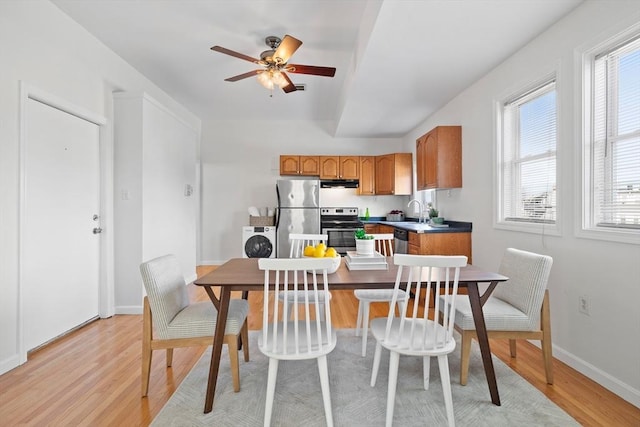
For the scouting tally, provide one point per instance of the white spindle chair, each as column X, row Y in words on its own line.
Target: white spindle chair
column 383, row 245
column 414, row 335
column 306, row 336
column 298, row 241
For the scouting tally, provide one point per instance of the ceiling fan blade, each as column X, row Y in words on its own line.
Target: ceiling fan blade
column 234, row 53
column 290, row 87
column 311, row 69
column 243, row 76
column 286, row 48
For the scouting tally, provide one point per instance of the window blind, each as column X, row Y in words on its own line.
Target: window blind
column 529, row 156
column 616, row 137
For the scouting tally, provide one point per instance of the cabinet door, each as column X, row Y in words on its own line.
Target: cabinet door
column 310, row 165
column 439, row 159
column 349, row 167
column 431, row 160
column 385, row 174
column 385, row 229
column 371, row 228
column 329, row 167
column 289, row 165
column 367, row 184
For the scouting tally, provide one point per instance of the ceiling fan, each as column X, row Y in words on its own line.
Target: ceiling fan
column 275, row 63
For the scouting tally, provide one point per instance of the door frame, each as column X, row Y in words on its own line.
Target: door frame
column 106, row 293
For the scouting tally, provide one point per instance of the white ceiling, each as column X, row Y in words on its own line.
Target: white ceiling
column 397, row 60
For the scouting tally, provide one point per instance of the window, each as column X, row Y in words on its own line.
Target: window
column 527, row 162
column 611, row 147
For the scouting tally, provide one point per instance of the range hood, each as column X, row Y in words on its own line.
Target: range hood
column 339, row 183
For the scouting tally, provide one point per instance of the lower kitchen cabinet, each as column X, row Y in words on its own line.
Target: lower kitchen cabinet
column 440, row 244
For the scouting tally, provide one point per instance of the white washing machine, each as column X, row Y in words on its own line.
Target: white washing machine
column 258, row 242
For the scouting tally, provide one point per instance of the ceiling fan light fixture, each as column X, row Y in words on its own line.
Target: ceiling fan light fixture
column 270, row 78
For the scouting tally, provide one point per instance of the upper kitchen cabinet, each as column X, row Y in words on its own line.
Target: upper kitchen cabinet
column 439, row 158
column 394, row 174
column 339, row 167
column 367, row 186
column 300, row 165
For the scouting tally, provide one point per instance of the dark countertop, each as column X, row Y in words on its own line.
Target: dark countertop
column 412, row 225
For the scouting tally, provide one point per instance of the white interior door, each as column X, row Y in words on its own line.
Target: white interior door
column 61, row 253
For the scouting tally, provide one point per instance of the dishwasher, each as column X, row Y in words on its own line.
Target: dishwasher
column 401, row 240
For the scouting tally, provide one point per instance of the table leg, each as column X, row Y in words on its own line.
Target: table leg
column 218, row 339
column 483, row 341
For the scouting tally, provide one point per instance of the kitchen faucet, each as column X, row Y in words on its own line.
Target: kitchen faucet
column 420, row 211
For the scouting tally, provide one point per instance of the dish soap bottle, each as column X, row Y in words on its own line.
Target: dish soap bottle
column 366, row 215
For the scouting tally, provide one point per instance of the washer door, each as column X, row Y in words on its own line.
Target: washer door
column 258, row 247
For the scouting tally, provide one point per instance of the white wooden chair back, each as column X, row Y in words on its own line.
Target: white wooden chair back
column 384, row 243
column 306, row 335
column 426, row 275
column 299, row 241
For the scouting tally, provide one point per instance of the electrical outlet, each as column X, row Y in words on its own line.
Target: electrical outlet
column 584, row 304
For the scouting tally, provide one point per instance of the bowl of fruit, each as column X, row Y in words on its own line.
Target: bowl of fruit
column 322, row 251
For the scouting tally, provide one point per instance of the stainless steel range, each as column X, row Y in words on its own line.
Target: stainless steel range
column 340, row 224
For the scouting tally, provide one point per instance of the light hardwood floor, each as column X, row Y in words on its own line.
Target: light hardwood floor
column 91, row 377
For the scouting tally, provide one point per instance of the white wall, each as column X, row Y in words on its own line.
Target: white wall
column 46, row 49
column 240, row 166
column 155, row 158
column 605, row 345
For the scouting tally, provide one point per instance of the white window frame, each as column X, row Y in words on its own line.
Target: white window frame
column 500, row 221
column 586, row 226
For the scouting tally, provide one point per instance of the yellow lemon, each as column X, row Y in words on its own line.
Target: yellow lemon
column 309, row 250
column 319, row 252
column 321, row 246
column 331, row 252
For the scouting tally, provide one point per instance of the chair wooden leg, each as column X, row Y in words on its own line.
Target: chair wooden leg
column 244, row 333
column 169, row 357
column 426, row 371
column 465, row 353
column 147, row 335
column 394, row 362
column 376, row 364
column 232, row 345
column 443, row 364
column 365, row 326
column 512, row 348
column 359, row 319
column 545, row 325
column 324, row 385
column 271, row 388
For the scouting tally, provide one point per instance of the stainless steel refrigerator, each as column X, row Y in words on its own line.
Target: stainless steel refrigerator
column 298, row 210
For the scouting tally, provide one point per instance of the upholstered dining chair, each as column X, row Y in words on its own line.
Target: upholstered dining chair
column 383, row 244
column 178, row 323
column 307, row 335
column 415, row 334
column 517, row 308
column 298, row 241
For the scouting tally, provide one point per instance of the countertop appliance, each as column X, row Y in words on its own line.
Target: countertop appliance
column 401, row 240
column 339, row 224
column 298, row 211
column 258, row 242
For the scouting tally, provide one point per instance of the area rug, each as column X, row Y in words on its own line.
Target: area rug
column 298, row 399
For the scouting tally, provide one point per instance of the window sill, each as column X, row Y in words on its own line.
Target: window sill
column 529, row 227
column 610, row 234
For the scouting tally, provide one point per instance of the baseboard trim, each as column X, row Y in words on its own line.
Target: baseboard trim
column 129, row 309
column 10, row 363
column 624, row 391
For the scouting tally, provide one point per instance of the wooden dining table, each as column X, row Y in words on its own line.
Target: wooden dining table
column 242, row 274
